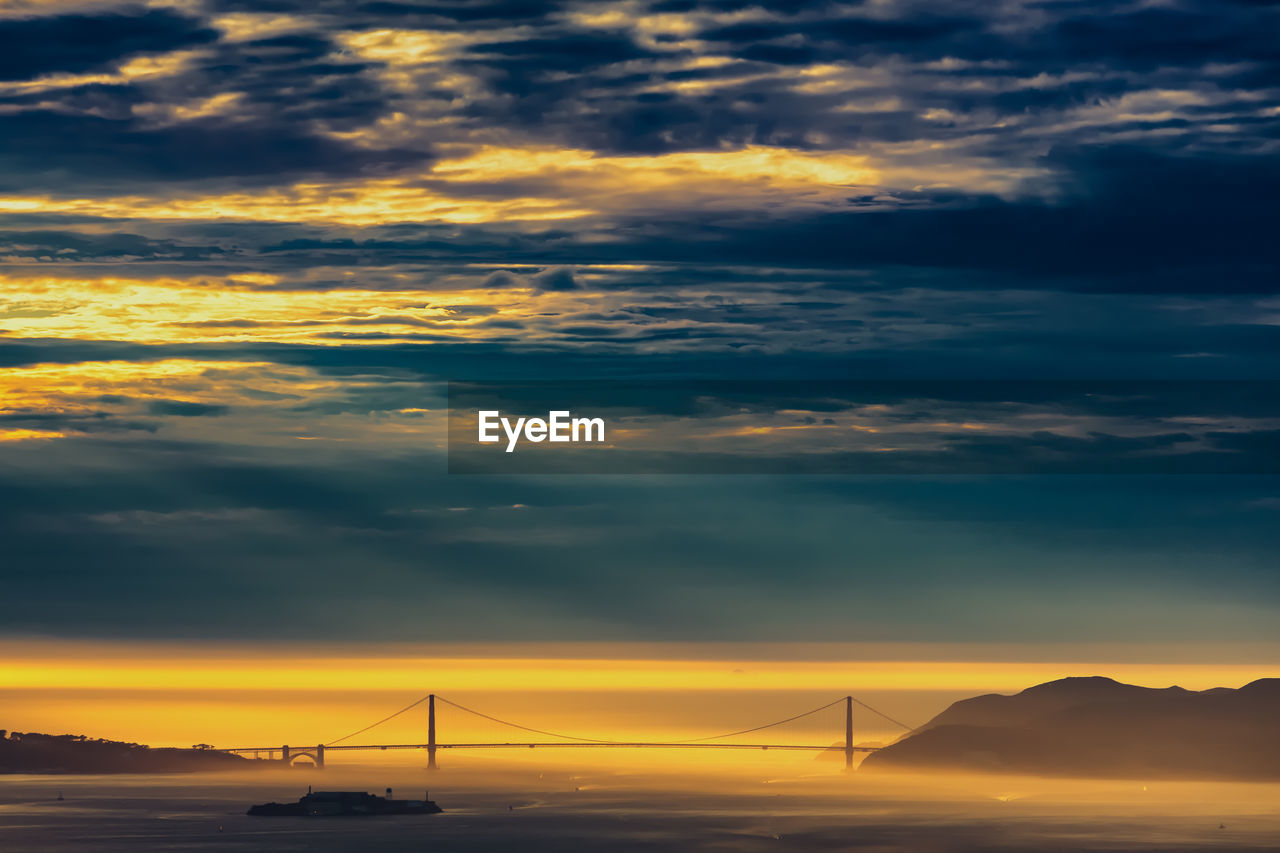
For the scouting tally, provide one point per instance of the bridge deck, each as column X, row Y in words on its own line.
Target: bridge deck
column 609, row 745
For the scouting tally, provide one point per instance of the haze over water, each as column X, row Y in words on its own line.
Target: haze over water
column 636, row 803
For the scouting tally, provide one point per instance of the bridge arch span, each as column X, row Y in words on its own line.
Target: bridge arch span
column 310, row 757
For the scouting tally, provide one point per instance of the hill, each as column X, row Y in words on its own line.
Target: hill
column 31, row 752
column 1101, row 728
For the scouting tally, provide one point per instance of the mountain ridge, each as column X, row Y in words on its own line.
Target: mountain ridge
column 1096, row 726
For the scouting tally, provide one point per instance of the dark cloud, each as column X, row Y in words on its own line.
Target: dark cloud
column 426, row 15
column 559, row 278
column 1154, row 37
column 1009, row 77
column 289, row 98
column 49, row 147
column 469, row 14
column 1125, row 219
column 854, row 37
column 30, row 47
column 502, row 278
column 72, row 246
column 74, row 423
column 185, row 409
column 575, row 53
column 1132, row 221
column 1187, row 34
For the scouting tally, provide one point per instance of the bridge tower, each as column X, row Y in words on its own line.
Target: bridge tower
column 848, row 733
column 431, row 732
column 319, row 756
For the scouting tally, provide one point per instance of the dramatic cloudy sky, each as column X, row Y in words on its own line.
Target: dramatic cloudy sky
column 244, row 243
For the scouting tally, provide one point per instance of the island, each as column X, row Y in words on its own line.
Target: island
column 346, row 804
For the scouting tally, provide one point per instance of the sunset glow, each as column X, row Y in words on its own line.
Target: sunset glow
column 926, row 356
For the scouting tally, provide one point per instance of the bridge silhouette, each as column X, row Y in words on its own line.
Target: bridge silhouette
column 316, row 754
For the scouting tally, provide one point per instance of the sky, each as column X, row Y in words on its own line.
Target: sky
column 245, row 245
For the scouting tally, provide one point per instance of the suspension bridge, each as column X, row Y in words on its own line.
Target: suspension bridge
column 316, row 754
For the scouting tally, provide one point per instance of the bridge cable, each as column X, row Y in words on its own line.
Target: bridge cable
column 408, row 707
column 758, row 728
column 883, row 714
column 601, row 740
column 524, row 728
